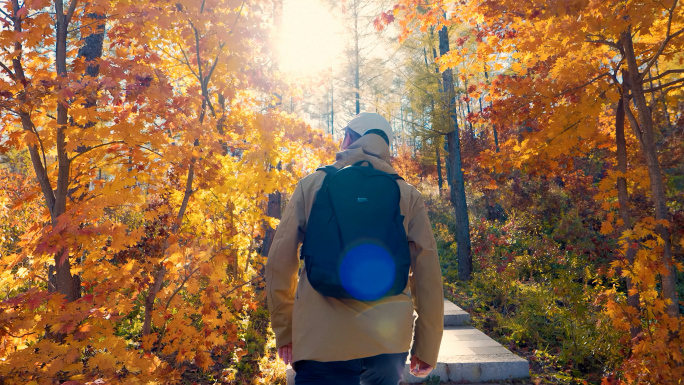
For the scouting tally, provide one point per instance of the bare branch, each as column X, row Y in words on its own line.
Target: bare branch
column 213, row 66
column 603, row 40
column 150, row 150
column 40, row 141
column 583, row 85
column 243, row 284
column 668, row 37
column 172, row 57
column 9, row 72
column 88, row 25
column 239, row 13
column 632, row 120
column 180, row 286
column 17, row 336
column 186, row 197
column 565, row 129
column 666, row 90
column 94, row 147
column 70, row 12
column 159, row 277
column 665, row 85
column 199, row 62
column 613, row 75
column 187, row 62
column 38, row 167
column 668, row 72
column 37, row 13
column 205, row 82
column 416, row 124
column 11, row 111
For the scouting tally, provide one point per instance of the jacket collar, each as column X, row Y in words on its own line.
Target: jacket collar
column 372, row 148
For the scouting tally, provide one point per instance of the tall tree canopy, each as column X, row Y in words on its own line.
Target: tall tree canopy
column 154, row 138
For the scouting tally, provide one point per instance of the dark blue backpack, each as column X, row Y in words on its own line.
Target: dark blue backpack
column 355, row 244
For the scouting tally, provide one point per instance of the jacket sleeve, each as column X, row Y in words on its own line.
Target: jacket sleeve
column 426, row 285
column 282, row 267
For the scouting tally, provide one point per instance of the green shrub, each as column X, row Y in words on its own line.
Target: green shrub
column 536, row 286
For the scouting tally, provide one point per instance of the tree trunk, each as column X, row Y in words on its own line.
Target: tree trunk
column 60, row 278
column 63, row 278
column 662, row 99
column 92, row 46
column 273, row 210
column 64, row 281
column 439, row 166
column 644, row 130
column 91, row 50
column 623, row 201
column 496, row 134
column 207, row 108
column 447, row 165
column 466, row 113
column 458, row 198
column 440, row 182
column 496, row 137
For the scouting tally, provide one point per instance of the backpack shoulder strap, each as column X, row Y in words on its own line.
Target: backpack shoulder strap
column 329, row 171
column 361, row 162
column 322, row 194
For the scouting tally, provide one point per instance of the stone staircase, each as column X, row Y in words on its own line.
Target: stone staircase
column 466, row 354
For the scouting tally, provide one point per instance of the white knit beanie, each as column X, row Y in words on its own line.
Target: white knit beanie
column 367, row 121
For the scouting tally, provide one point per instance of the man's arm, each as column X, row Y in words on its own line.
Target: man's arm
column 282, row 266
column 426, row 286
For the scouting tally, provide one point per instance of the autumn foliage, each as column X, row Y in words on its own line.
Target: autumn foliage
column 141, row 142
column 144, row 154
column 568, row 84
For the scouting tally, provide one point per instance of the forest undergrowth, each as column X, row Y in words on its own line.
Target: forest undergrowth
column 541, row 276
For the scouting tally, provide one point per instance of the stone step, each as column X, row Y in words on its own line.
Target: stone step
column 454, row 315
column 466, row 354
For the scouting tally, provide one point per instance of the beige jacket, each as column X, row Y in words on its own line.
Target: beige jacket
column 329, row 329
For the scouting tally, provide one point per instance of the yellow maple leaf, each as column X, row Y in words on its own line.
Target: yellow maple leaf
column 606, row 228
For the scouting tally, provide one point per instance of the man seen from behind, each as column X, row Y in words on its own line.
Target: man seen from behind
column 364, row 334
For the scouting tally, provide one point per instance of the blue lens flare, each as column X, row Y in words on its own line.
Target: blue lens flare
column 367, row 272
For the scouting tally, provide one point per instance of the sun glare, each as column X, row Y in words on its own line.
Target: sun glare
column 310, row 40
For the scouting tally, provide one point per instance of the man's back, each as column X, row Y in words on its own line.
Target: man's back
column 355, row 244
column 328, row 329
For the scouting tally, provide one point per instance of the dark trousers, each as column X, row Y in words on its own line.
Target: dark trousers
column 384, row 369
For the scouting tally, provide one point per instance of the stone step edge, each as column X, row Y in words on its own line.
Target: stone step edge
column 500, row 367
column 454, row 315
column 476, row 369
